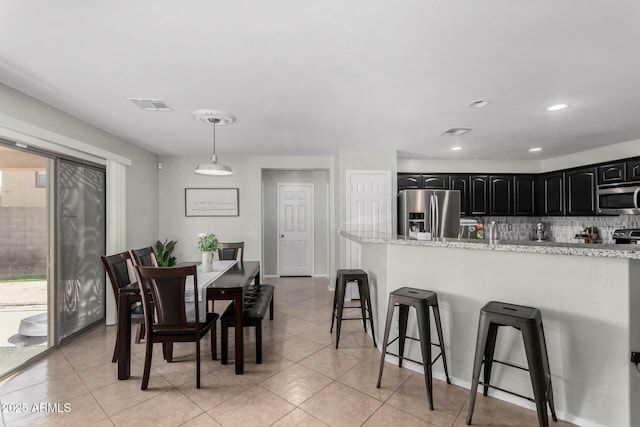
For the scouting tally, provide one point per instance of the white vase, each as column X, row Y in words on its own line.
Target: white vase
column 207, row 258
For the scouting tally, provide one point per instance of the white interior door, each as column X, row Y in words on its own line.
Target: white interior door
column 368, row 212
column 295, row 229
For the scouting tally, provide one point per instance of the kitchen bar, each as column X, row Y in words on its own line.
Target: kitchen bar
column 588, row 295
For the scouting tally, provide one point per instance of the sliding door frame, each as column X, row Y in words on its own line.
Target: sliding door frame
column 54, row 254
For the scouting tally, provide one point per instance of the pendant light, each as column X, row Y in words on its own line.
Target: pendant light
column 213, row 118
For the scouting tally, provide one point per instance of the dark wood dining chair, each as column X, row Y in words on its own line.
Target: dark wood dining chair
column 231, row 251
column 235, row 251
column 117, row 268
column 145, row 256
column 166, row 291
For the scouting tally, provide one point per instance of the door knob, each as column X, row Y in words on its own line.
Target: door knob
column 282, row 235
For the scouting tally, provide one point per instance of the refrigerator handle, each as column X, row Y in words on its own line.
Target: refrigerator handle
column 435, row 220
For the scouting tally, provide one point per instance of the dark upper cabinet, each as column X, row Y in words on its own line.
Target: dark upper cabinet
column 580, row 187
column 501, row 195
column 633, row 170
column 435, row 182
column 524, row 195
column 409, row 181
column 461, row 183
column 564, row 192
column 612, row 173
column 479, row 195
column 551, row 193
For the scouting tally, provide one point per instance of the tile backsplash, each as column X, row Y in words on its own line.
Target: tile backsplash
column 560, row 228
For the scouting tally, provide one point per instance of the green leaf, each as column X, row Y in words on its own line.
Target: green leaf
column 164, row 252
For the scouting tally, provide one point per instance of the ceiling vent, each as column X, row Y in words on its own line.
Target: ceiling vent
column 456, row 131
column 151, row 104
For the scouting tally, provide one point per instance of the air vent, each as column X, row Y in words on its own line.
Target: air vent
column 456, row 131
column 151, row 104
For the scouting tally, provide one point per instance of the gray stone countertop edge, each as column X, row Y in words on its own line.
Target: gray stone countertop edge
column 628, row 251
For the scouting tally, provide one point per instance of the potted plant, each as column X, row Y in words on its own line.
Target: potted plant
column 592, row 233
column 209, row 245
column 164, row 253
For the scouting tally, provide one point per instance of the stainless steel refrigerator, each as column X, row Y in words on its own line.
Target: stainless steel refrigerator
column 436, row 212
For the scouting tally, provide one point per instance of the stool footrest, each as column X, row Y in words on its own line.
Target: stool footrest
column 414, row 361
column 416, row 339
column 405, row 358
column 509, row 364
column 507, row 391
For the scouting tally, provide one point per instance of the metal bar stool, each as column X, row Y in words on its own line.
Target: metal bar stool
column 529, row 321
column 421, row 300
column 342, row 278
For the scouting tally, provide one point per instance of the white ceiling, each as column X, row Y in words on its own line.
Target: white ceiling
column 310, row 77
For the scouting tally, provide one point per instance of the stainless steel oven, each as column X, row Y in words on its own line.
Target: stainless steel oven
column 619, row 199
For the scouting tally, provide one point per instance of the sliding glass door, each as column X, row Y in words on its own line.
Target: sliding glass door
column 52, row 233
column 80, row 287
column 25, row 236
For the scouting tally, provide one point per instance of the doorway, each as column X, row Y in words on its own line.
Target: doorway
column 24, row 264
column 319, row 179
column 52, row 233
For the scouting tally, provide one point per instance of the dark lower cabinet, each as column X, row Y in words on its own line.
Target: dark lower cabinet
column 551, row 200
column 501, row 195
column 479, row 195
column 581, row 191
column 461, row 183
column 524, row 195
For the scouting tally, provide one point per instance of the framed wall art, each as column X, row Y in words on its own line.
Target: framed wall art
column 211, row 202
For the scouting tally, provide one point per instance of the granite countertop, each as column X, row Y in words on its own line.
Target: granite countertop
column 630, row 251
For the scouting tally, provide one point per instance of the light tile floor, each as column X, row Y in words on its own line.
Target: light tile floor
column 303, row 381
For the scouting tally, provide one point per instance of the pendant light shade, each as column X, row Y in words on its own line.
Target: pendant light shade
column 214, row 168
column 213, row 118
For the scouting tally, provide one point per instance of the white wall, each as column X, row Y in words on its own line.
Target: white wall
column 142, row 182
column 597, row 155
column 320, row 181
column 177, row 174
column 468, row 166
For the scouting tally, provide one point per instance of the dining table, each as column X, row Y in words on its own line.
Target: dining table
column 229, row 285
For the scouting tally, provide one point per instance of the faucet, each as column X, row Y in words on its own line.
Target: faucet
column 493, row 233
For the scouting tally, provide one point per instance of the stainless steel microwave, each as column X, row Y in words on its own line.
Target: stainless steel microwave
column 619, row 199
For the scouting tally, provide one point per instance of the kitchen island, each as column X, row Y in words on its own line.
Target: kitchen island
column 589, row 296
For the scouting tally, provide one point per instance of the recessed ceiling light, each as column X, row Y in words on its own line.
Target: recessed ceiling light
column 478, row 104
column 557, row 107
column 534, row 149
column 456, row 148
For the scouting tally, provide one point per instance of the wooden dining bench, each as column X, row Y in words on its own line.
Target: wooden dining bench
column 255, row 308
